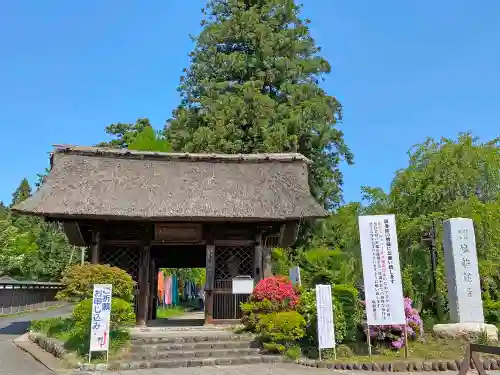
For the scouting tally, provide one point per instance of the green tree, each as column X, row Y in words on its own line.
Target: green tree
column 442, row 172
column 4, row 211
column 253, row 86
column 149, row 140
column 124, row 133
column 22, row 192
column 447, row 178
column 41, row 178
column 40, row 250
column 17, row 250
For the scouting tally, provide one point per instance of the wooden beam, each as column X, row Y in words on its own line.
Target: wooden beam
column 257, row 262
column 143, row 302
column 132, row 243
column 235, row 242
column 73, row 232
column 152, row 288
column 95, row 247
column 266, row 262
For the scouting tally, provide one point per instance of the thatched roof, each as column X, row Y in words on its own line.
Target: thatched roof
column 89, row 182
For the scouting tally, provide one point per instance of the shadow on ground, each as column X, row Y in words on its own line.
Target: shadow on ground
column 19, row 324
column 15, row 328
column 172, row 322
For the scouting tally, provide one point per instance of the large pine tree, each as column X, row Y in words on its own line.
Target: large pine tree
column 124, row 133
column 22, row 192
column 253, row 86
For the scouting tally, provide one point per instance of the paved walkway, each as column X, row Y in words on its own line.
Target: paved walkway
column 14, row 361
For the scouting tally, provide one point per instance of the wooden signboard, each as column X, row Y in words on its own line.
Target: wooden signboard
column 178, row 232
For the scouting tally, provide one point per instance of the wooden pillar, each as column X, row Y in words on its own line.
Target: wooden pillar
column 266, row 262
column 95, row 247
column 143, row 303
column 257, row 262
column 209, row 284
column 152, row 289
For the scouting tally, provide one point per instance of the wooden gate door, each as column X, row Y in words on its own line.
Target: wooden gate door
column 230, row 262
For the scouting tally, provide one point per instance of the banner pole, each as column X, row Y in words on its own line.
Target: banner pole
column 319, row 351
column 369, row 341
column 406, row 338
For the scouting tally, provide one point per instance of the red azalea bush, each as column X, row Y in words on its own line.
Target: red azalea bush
column 276, row 289
column 270, row 295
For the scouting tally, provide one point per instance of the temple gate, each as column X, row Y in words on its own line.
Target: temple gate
column 142, row 211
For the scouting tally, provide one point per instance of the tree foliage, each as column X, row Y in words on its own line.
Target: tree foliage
column 444, row 179
column 22, row 192
column 79, row 282
column 150, row 140
column 124, row 134
column 253, row 86
column 32, row 248
column 196, row 275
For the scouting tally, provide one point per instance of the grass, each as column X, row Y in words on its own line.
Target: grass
column 169, row 312
column 76, row 341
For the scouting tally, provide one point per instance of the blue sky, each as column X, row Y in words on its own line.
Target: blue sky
column 403, row 71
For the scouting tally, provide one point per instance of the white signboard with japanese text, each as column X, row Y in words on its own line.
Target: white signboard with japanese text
column 381, row 270
column 462, row 271
column 101, row 318
column 243, row 285
column 324, row 308
column 294, row 274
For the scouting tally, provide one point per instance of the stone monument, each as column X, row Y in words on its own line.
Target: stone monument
column 462, row 278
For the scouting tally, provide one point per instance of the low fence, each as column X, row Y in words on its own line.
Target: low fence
column 19, row 296
column 472, row 357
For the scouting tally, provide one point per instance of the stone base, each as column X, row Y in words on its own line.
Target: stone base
column 466, row 330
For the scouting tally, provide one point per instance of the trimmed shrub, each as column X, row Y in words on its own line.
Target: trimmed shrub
column 492, row 312
column 79, row 282
column 122, row 315
column 272, row 294
column 307, row 308
column 347, row 296
column 252, row 312
column 281, row 330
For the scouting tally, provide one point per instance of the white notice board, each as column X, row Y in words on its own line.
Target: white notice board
column 381, row 270
column 101, row 314
column 294, row 274
column 243, row 285
column 324, row 308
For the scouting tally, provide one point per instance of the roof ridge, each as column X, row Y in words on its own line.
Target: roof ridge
column 117, row 152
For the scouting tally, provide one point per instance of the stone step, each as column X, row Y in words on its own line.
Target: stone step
column 194, row 337
column 194, row 362
column 191, row 354
column 184, row 328
column 201, row 345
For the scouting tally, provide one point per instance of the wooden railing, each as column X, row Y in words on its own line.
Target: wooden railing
column 472, row 357
column 19, row 296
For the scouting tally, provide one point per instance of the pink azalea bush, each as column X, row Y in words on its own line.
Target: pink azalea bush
column 394, row 334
